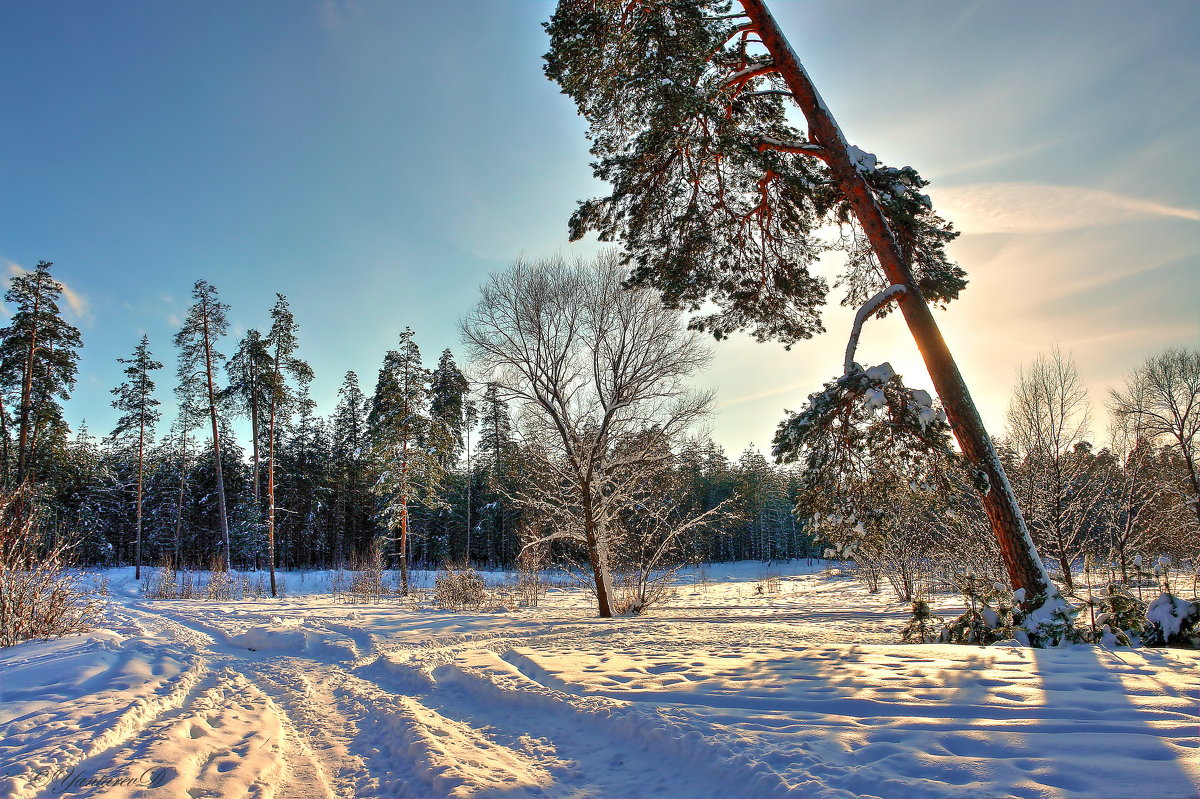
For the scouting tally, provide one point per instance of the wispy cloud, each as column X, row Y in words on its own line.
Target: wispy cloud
column 77, row 302
column 1042, row 208
column 335, row 13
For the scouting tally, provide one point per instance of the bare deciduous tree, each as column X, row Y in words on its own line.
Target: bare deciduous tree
column 1049, row 421
column 600, row 373
column 1164, row 395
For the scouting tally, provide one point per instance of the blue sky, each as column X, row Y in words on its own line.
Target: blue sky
column 374, row 160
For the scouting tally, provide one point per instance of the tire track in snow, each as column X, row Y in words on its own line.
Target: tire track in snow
column 604, row 746
column 67, row 747
column 149, row 741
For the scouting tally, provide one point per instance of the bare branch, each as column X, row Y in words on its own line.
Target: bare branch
column 870, row 307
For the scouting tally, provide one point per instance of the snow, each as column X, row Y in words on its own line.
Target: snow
column 1168, row 613
column 881, row 373
column 728, row 690
column 863, row 161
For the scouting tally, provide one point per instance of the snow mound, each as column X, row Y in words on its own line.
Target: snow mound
column 291, row 637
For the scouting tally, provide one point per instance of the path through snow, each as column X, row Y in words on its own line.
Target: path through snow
column 725, row 693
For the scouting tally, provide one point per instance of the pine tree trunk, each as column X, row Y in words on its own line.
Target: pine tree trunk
column 1024, row 567
column 404, row 518
column 137, row 558
column 27, row 395
column 271, row 493
column 179, row 504
column 212, row 412
column 254, row 442
column 468, row 442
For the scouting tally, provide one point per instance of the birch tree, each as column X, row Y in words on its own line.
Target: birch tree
column 594, row 368
column 1162, row 397
column 1049, row 421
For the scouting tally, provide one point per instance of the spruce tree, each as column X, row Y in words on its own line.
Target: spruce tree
column 205, row 324
column 282, row 400
column 718, row 199
column 497, row 449
column 448, row 388
column 351, row 465
column 139, row 409
column 38, row 361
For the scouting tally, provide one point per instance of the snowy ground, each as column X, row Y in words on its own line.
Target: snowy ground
column 723, row 693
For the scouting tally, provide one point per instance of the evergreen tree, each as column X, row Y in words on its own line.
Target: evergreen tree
column 81, row 489
column 135, row 399
column 497, row 451
column 304, row 484
column 187, row 420
column 38, row 361
column 282, row 400
column 206, row 323
column 448, row 388
column 351, row 465
column 248, row 372
column 400, row 426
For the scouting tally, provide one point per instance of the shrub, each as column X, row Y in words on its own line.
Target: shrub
column 635, row 592
column 991, row 614
column 459, row 589
column 367, row 580
column 39, row 596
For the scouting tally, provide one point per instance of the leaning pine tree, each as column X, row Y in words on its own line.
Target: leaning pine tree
column 719, row 202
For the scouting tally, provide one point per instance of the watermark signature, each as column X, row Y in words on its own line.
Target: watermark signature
column 69, row 780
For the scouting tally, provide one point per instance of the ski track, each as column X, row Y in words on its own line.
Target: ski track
column 268, row 701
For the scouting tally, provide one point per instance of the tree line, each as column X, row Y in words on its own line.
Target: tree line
column 429, row 467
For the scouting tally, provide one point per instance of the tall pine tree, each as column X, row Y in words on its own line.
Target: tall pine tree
column 38, row 361
column 248, row 372
column 139, row 413
column 718, row 199
column 206, row 323
column 288, row 379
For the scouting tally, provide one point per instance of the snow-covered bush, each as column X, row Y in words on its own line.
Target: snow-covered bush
column 40, row 597
column 1173, row 622
column 1054, row 622
column 459, row 589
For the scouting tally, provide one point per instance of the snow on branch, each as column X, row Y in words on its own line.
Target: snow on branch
column 800, row 148
column 748, row 74
column 869, row 307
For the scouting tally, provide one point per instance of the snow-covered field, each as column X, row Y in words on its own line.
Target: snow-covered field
column 724, row 692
